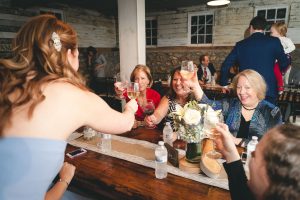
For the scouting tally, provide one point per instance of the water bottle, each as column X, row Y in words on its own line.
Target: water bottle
column 250, row 148
column 161, row 158
column 168, row 134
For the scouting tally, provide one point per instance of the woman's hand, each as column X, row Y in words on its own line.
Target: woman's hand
column 131, row 105
column 193, row 81
column 150, row 120
column 194, row 85
column 119, row 89
column 225, row 143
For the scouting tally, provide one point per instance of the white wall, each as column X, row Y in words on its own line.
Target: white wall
column 230, row 22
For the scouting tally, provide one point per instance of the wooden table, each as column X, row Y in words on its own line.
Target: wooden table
column 104, row 177
column 217, row 92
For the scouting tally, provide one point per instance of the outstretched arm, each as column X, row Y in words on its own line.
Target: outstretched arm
column 65, row 176
column 234, row 168
column 159, row 113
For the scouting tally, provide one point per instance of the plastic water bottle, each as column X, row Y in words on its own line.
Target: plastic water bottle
column 161, row 158
column 168, row 134
column 250, row 148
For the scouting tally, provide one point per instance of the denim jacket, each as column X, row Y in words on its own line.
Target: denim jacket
column 266, row 115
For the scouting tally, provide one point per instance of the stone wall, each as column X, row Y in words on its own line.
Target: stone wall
column 162, row 60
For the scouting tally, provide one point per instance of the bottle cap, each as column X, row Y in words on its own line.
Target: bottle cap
column 161, row 143
column 254, row 138
column 168, row 123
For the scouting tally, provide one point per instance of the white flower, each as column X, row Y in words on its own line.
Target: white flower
column 179, row 111
column 192, row 117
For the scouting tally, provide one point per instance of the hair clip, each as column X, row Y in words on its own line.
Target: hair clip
column 56, row 40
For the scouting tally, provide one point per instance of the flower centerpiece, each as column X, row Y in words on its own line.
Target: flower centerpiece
column 188, row 122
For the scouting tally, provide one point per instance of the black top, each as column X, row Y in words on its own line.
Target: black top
column 237, row 179
column 244, row 128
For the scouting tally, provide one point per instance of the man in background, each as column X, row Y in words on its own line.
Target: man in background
column 96, row 66
column 257, row 52
column 206, row 70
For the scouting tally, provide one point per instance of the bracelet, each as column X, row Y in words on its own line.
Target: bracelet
column 62, row 180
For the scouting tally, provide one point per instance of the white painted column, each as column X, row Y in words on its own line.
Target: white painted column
column 131, row 14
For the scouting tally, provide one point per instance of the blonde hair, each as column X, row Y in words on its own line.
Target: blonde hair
column 36, row 61
column 255, row 80
column 281, row 28
column 143, row 68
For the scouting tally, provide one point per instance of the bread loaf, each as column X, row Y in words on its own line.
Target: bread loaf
column 211, row 167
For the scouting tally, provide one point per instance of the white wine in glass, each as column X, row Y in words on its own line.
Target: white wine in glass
column 133, row 90
column 133, row 95
column 187, row 69
column 210, row 122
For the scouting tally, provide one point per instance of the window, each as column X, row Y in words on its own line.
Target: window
column 57, row 13
column 151, row 32
column 273, row 15
column 201, row 28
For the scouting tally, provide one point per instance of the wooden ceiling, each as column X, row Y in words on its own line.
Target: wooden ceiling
column 110, row 7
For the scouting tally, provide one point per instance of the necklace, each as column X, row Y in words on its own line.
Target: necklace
column 249, row 109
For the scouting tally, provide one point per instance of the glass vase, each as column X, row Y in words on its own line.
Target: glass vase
column 193, row 152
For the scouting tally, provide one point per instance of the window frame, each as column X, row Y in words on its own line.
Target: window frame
column 201, row 13
column 54, row 11
column 152, row 19
column 271, row 7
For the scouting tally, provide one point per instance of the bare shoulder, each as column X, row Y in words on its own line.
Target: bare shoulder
column 165, row 99
column 64, row 90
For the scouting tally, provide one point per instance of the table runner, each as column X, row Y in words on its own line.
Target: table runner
column 142, row 153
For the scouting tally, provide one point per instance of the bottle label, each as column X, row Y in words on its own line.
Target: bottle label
column 161, row 159
column 169, row 135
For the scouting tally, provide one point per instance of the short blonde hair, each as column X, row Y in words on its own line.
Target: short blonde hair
column 143, row 68
column 255, row 80
column 281, row 28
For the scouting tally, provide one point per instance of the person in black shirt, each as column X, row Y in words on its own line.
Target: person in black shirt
column 274, row 165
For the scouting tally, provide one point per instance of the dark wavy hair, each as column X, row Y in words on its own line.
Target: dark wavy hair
column 36, row 61
column 282, row 156
column 171, row 92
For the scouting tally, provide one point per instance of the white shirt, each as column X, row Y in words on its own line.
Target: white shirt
column 208, row 77
column 287, row 44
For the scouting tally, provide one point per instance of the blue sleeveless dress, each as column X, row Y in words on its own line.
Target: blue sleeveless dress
column 28, row 166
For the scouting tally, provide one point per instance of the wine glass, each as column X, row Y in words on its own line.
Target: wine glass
column 120, row 85
column 187, row 69
column 148, row 108
column 133, row 90
column 210, row 121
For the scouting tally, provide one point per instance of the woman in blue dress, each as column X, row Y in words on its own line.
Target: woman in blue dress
column 42, row 101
